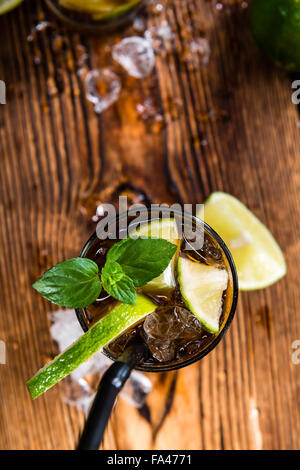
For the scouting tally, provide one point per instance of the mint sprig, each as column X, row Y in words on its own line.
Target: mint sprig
column 117, row 283
column 130, row 263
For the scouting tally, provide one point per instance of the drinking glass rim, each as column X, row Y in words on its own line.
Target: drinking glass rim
column 100, row 26
column 217, row 339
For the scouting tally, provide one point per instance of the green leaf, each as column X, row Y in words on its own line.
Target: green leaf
column 117, row 283
column 73, row 283
column 143, row 259
column 119, row 248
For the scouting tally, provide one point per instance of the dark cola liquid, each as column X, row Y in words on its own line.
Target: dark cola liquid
column 172, row 333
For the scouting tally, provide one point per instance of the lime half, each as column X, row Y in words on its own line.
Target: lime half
column 257, row 256
column 202, row 288
column 276, row 28
column 166, row 229
column 119, row 319
column 7, row 5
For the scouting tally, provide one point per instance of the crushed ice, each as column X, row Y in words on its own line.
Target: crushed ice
column 135, row 54
column 160, row 36
column 42, row 26
column 198, row 52
column 80, row 387
column 102, row 88
column 139, row 24
column 148, row 111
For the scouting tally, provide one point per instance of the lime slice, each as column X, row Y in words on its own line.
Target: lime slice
column 257, row 256
column 7, row 5
column 166, row 229
column 119, row 319
column 90, row 6
column 117, row 11
column 99, row 9
column 202, row 287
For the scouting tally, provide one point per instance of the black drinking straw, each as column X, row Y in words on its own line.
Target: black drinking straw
column 110, row 385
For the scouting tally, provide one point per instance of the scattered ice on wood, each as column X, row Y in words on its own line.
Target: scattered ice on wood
column 160, row 36
column 139, row 24
column 102, row 88
column 135, row 54
column 80, row 386
column 198, row 52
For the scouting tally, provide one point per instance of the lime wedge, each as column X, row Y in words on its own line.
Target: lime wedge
column 202, row 287
column 7, row 5
column 99, row 9
column 257, row 256
column 119, row 319
column 166, row 229
column 117, row 11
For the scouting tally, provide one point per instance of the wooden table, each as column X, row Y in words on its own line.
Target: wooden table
column 229, row 125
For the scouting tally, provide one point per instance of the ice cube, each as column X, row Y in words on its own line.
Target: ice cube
column 192, row 327
column 211, row 252
column 136, row 389
column 139, row 24
column 77, row 391
column 163, row 324
column 65, row 329
column 189, row 349
column 136, row 55
column 161, row 328
column 160, row 36
column 187, row 318
column 102, row 88
column 163, row 351
column 168, row 326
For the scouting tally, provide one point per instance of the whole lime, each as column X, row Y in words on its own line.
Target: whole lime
column 276, row 28
column 7, row 5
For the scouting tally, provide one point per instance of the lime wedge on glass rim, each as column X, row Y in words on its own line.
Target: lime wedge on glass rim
column 257, row 256
column 118, row 320
column 202, row 288
column 7, row 5
column 166, row 229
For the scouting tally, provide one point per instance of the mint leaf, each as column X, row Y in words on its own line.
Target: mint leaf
column 118, row 249
column 117, row 283
column 73, row 283
column 142, row 259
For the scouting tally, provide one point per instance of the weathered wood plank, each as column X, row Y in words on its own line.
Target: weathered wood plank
column 229, row 125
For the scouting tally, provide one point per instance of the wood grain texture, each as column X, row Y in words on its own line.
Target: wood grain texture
column 229, row 125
